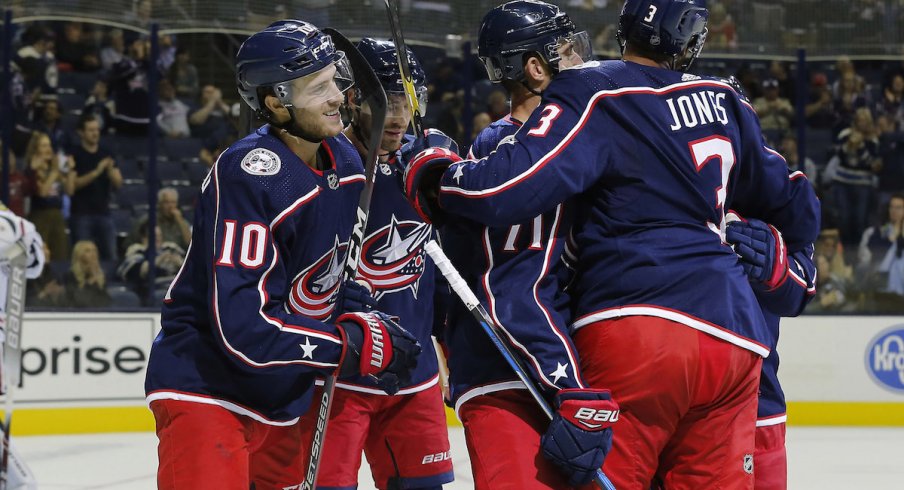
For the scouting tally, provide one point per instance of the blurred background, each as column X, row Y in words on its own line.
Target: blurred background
column 150, row 83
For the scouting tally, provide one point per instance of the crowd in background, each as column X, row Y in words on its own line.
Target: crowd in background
column 81, row 96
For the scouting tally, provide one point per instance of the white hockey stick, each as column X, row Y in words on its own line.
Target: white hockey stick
column 12, row 347
column 473, row 305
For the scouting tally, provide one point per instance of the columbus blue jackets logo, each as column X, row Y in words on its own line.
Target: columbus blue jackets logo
column 393, row 257
column 313, row 290
column 261, row 161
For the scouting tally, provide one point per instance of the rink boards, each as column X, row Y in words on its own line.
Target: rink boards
column 84, row 372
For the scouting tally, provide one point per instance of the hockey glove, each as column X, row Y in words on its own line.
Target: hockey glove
column 377, row 346
column 425, row 160
column 353, row 296
column 580, row 434
column 761, row 249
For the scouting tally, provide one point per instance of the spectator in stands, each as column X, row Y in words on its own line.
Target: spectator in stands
column 481, row 120
column 166, row 44
column 849, row 93
column 881, row 247
column 891, row 150
column 173, row 117
column 856, row 163
column 775, row 112
column 135, row 267
column 210, row 122
column 96, row 177
column 789, row 150
column 50, row 123
column 99, row 104
column 892, row 100
column 37, row 61
column 173, row 226
column 129, row 86
column 786, row 85
column 53, row 178
column 497, row 105
column 46, row 290
column 209, row 156
column 449, row 119
column 834, row 276
column 722, row 31
column 77, row 50
column 85, row 283
column 20, row 186
column 820, row 110
column 114, row 51
column 184, row 75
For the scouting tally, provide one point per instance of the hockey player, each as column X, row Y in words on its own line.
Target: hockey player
column 16, row 232
column 514, row 270
column 404, row 436
column 783, row 284
column 658, row 156
column 245, row 328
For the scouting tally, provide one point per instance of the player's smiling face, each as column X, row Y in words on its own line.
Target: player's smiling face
column 317, row 100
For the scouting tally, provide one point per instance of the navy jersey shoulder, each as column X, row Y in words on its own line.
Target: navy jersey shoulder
column 491, row 136
column 243, row 321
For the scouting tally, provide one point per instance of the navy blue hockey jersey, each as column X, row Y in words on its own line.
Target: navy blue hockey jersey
column 401, row 274
column 658, row 157
column 513, row 270
column 787, row 299
column 243, row 320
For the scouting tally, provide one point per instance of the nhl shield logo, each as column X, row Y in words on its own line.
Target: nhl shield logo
column 332, row 180
column 384, row 167
column 261, row 161
column 748, row 464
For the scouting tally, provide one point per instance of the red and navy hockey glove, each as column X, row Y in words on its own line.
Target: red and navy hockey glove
column 425, row 160
column 353, row 296
column 375, row 345
column 580, row 434
column 761, row 249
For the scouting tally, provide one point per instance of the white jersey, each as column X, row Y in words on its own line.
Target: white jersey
column 13, row 230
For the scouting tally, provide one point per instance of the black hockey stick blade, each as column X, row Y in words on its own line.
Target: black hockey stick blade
column 370, row 92
column 395, row 25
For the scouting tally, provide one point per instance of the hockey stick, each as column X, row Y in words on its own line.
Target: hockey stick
column 371, row 93
column 12, row 347
column 458, row 284
column 398, row 40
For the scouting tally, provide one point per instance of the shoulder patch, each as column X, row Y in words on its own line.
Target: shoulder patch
column 261, row 161
column 687, row 77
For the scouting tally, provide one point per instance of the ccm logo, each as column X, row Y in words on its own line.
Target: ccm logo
column 436, row 458
column 586, row 415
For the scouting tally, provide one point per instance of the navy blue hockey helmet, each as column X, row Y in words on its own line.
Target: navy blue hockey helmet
column 667, row 27
column 284, row 51
column 516, row 28
column 381, row 56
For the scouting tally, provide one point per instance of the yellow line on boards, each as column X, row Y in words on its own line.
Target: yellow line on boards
column 92, row 420
column 862, row 414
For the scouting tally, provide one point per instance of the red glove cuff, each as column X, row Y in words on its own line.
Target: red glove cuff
column 590, row 410
column 376, row 348
column 779, row 263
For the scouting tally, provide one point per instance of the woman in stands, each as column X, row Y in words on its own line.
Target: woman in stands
column 85, row 282
column 53, row 178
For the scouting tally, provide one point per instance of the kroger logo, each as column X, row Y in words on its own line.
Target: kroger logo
column 885, row 358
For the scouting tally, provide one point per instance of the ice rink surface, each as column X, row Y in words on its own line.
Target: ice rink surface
column 818, row 458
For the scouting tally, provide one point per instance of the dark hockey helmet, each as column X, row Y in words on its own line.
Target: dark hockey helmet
column 513, row 29
column 667, row 27
column 284, row 51
column 381, row 56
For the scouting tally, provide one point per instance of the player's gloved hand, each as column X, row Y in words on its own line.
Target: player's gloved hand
column 425, row 160
column 761, row 249
column 580, row 434
column 353, row 296
column 376, row 345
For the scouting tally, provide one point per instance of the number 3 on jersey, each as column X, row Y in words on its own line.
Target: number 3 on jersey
column 704, row 151
column 252, row 248
column 550, row 114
